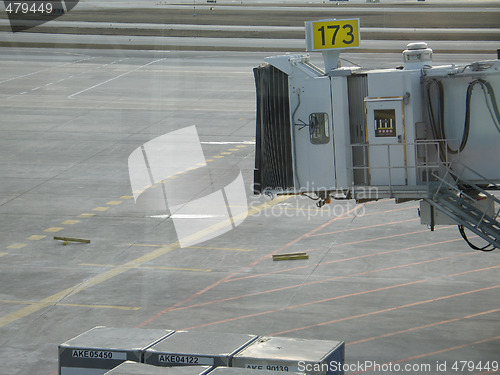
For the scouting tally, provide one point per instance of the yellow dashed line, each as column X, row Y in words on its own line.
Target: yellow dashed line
column 233, row 149
column 76, row 305
column 126, row 197
column 53, row 229
column 208, row 160
column 36, row 237
column 119, row 270
column 70, row 222
column 2, row 254
column 241, row 146
column 201, row 164
column 150, row 267
column 218, row 248
column 17, row 246
column 114, row 203
column 86, row 215
column 100, row 209
column 218, row 156
column 225, row 153
column 193, row 247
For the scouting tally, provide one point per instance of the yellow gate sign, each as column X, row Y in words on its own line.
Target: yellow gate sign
column 332, row 34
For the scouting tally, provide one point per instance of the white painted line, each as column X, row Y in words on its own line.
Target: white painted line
column 228, row 143
column 44, row 70
column 112, row 79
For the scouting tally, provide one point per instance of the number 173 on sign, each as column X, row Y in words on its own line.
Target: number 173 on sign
column 332, row 34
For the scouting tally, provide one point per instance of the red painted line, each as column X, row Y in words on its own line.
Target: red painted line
column 421, row 327
column 365, row 227
column 228, row 277
column 385, row 310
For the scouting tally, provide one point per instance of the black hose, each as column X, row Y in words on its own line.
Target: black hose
column 487, row 248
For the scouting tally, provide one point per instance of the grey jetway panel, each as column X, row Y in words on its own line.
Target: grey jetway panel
column 319, row 357
column 134, row 368
column 102, row 348
column 190, row 348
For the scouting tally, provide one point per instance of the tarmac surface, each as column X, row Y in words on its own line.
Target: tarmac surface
column 394, row 291
column 376, row 278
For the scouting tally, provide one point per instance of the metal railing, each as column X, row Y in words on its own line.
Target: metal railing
column 413, row 174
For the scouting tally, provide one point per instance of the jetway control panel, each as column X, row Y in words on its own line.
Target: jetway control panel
column 411, row 132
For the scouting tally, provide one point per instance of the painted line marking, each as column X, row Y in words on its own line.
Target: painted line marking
column 53, row 229
column 218, row 248
column 17, row 246
column 386, row 310
column 36, row 237
column 112, row 79
column 194, row 247
column 128, row 308
column 422, row 327
column 105, row 276
column 126, row 197
column 43, row 70
column 325, row 280
column 70, row 222
column 149, row 267
column 218, row 156
column 86, row 215
column 240, row 143
column 101, row 209
column 114, row 203
column 2, row 254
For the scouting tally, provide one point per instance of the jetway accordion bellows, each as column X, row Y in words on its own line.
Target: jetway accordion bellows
column 273, row 156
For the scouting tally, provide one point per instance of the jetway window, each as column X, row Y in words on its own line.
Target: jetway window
column 385, row 122
column 318, row 128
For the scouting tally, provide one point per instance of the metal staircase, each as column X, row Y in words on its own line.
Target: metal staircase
column 469, row 204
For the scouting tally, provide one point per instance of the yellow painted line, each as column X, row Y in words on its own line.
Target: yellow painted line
column 53, row 229
column 128, row 308
column 150, row 267
column 100, row 209
column 126, row 197
column 86, row 215
column 201, row 164
column 241, row 146
column 218, row 248
column 208, row 160
column 17, row 246
column 105, row 276
column 225, row 153
column 2, row 254
column 114, row 203
column 36, row 237
column 194, row 247
column 233, row 149
column 218, row 156
column 70, row 222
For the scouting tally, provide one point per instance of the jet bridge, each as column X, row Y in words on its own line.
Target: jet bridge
column 418, row 132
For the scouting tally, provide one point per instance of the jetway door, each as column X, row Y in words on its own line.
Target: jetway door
column 385, row 130
column 312, row 119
